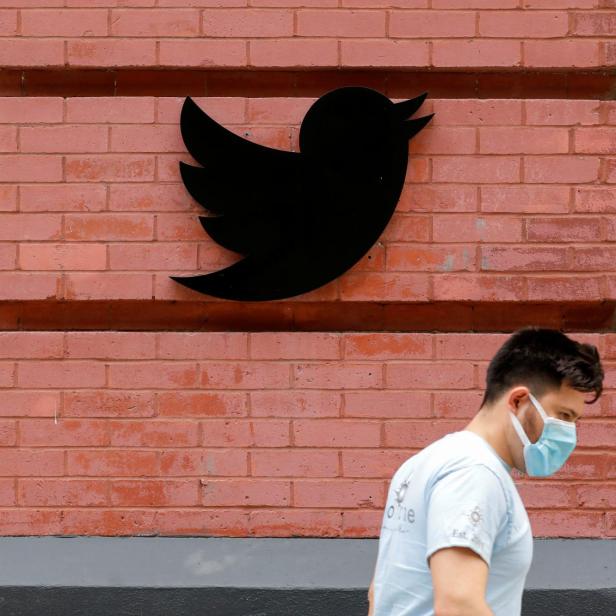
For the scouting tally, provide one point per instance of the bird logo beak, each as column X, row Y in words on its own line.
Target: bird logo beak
column 406, row 108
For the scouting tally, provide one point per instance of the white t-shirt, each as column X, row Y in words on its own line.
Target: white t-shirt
column 460, row 493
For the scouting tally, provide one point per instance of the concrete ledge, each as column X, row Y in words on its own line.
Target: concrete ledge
column 221, row 576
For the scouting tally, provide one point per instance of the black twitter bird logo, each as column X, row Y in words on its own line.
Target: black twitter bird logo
column 300, row 219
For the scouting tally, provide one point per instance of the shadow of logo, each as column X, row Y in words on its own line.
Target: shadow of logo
column 300, row 219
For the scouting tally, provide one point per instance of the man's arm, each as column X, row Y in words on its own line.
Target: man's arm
column 459, row 579
column 371, row 599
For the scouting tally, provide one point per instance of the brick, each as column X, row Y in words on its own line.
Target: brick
column 298, row 522
column 31, row 345
column 154, row 22
column 472, row 228
column 203, row 522
column 295, row 404
column 244, row 375
column 294, row 345
column 471, row 52
column 418, row 434
column 338, row 493
column 211, row 463
column 554, row 288
column 8, row 198
column 523, row 140
column 532, row 258
column 294, row 463
column 294, row 52
column 329, row 375
column 109, row 227
column 457, row 404
column 441, row 375
column 336, row 433
column 523, row 24
column 341, row 23
column 379, row 404
column 115, row 462
column 159, row 138
column 152, row 198
column 435, row 198
column 154, row 493
column 557, row 169
column 480, row 169
column 361, row 523
column 593, row 24
column 430, row 258
column 234, row 433
column 111, row 109
column 479, row 287
column 8, row 23
column 152, row 374
column 477, row 112
column 30, row 167
column 431, row 24
column 106, row 403
column 31, row 463
column 371, row 286
column 287, row 111
column 384, row 53
column 153, row 256
column 108, row 286
column 370, row 463
column 46, row 53
column 27, row 521
column 110, row 167
column 111, row 52
column 28, row 285
column 62, row 492
column 562, row 112
column 19, row 227
column 153, row 433
column 31, row 109
column 570, row 229
column 203, row 345
column 567, row 523
column 247, row 23
column 383, row 345
column 62, row 197
column 217, row 53
column 33, row 256
column 54, row 374
column 67, row 432
column 16, row 403
column 525, row 199
column 202, row 404
column 566, row 52
column 245, row 492
column 402, row 227
column 224, row 109
column 594, row 140
column 107, row 522
column 8, row 139
column 64, row 22
column 444, row 140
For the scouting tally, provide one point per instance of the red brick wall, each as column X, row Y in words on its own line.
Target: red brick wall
column 263, row 433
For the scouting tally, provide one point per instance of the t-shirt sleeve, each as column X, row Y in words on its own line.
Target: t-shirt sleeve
column 466, row 507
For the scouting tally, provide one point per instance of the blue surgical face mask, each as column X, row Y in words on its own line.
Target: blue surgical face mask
column 554, row 446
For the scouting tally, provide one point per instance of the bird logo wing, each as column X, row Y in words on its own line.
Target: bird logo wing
column 249, row 187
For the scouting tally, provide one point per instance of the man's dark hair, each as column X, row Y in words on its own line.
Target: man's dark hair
column 542, row 359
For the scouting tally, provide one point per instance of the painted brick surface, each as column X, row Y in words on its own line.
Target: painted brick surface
column 257, row 434
column 316, row 33
column 505, row 200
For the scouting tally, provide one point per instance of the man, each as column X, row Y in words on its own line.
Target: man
column 455, row 538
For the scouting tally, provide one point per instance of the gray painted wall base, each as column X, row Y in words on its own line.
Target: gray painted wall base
column 219, row 576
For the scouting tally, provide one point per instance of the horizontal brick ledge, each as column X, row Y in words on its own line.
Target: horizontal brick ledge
column 128, row 315
column 572, row 83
